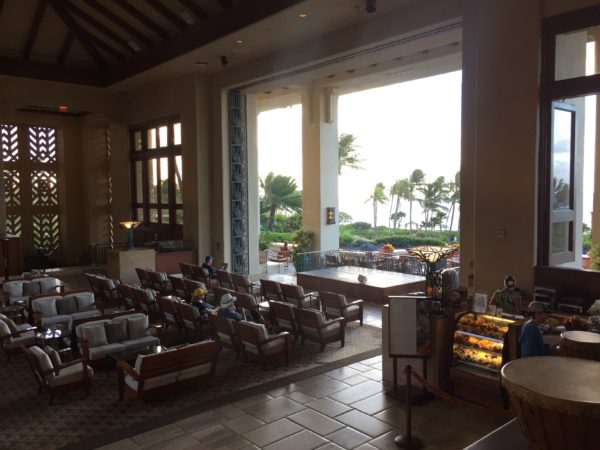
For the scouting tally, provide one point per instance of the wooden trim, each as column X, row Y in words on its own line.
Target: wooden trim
column 167, row 14
column 35, row 26
column 193, row 6
column 142, row 18
column 117, row 20
column 574, row 20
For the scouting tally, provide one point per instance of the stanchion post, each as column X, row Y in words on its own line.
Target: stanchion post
column 407, row 440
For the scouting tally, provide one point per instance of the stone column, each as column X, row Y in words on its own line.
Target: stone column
column 320, row 165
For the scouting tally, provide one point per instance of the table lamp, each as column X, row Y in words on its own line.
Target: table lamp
column 130, row 225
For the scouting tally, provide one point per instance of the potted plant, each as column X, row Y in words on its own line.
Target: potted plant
column 387, row 248
column 303, row 242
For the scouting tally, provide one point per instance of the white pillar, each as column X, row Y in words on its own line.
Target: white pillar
column 320, row 165
column 253, row 183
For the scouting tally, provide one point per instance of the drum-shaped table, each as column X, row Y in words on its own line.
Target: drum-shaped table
column 556, row 400
column 580, row 344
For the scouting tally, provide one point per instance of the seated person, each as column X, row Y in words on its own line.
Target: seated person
column 508, row 298
column 227, row 309
column 198, row 301
column 208, row 265
column 531, row 339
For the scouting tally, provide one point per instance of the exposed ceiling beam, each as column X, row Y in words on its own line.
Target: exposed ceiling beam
column 66, row 46
column 117, row 20
column 79, row 34
column 98, row 25
column 35, row 26
column 50, row 72
column 225, row 3
column 1, row 5
column 193, row 6
column 168, row 14
column 237, row 17
column 138, row 15
column 99, row 43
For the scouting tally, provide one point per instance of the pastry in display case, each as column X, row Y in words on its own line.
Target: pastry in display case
column 479, row 341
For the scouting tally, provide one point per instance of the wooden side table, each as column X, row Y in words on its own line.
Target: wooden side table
column 580, row 344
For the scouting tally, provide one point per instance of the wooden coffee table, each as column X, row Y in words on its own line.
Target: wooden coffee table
column 131, row 355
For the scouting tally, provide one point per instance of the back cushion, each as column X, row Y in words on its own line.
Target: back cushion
column 12, row 326
column 47, row 284
column 45, row 306
column 262, row 330
column 66, row 305
column 31, row 288
column 14, row 288
column 85, row 301
column 42, row 358
column 116, row 331
column 95, row 335
column 137, row 327
column 4, row 330
column 53, row 355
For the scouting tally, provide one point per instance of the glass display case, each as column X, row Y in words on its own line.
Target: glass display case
column 479, row 341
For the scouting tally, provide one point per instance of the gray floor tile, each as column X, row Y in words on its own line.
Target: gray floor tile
column 200, row 421
column 287, row 389
column 364, row 423
column 371, row 361
column 342, row 372
column 157, row 435
column 355, row 379
column 272, row 432
column 305, row 440
column 360, row 367
column 330, row 446
column 243, row 423
column 356, row 393
column 229, row 411
column 386, row 441
column 181, row 441
column 329, row 407
column 260, row 398
column 366, row 447
column 313, row 380
column 275, row 409
column 373, row 374
column 348, row 438
column 300, row 397
column 315, row 421
column 375, row 404
column 324, row 388
column 123, row 444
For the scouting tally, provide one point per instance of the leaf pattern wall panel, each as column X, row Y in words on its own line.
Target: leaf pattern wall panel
column 42, row 144
column 46, row 232
column 12, row 188
column 9, row 140
column 44, row 188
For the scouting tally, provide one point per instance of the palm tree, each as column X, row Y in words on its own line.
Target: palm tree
column 378, row 196
column 280, row 194
column 453, row 189
column 415, row 180
column 434, row 196
column 347, row 152
column 401, row 189
column 397, row 218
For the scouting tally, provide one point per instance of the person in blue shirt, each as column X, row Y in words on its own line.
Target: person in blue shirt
column 531, row 339
column 227, row 307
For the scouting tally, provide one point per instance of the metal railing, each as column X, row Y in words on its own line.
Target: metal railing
column 372, row 260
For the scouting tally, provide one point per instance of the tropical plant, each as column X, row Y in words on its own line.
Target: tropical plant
column 377, row 197
column 397, row 218
column 453, row 192
column 416, row 178
column 303, row 242
column 344, row 218
column 432, row 202
column 280, row 194
column 347, row 152
column 401, row 190
column 595, row 257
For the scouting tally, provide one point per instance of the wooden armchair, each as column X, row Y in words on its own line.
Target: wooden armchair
column 243, row 283
column 284, row 316
column 199, row 273
column 295, row 295
column 224, row 332
column 314, row 327
column 146, row 299
column 249, row 306
column 219, row 292
column 178, row 287
column 187, row 270
column 271, row 290
column 14, row 337
column 191, row 319
column 109, row 292
column 257, row 344
column 224, row 279
column 54, row 379
column 127, row 292
column 169, row 313
column 191, row 286
column 159, row 281
column 336, row 305
column 143, row 276
column 156, row 374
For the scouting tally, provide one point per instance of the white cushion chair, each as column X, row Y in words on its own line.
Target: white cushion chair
column 98, row 338
column 59, row 376
column 257, row 344
column 13, row 336
column 336, row 305
column 21, row 290
column 49, row 310
column 315, row 327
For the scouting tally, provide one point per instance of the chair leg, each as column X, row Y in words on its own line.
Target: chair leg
column 322, row 348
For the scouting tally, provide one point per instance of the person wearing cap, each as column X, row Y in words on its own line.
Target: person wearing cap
column 208, row 265
column 227, row 307
column 531, row 339
column 198, row 300
column 509, row 297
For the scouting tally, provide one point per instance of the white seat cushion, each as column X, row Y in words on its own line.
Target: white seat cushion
column 86, row 314
column 103, row 350
column 47, row 284
column 70, row 374
column 152, row 383
column 137, row 326
column 85, row 301
column 285, row 323
column 350, row 310
column 25, row 339
column 141, row 342
column 79, row 330
column 194, row 371
column 42, row 358
column 14, row 288
column 95, row 335
column 333, row 311
column 224, row 337
column 45, row 306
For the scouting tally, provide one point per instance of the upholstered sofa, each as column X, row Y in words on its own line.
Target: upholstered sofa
column 173, row 368
column 97, row 338
column 50, row 309
column 21, row 290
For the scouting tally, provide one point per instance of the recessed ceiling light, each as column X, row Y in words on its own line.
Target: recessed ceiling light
column 239, row 41
column 303, row 15
column 200, row 63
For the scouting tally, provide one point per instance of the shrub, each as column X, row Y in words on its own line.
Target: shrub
column 409, row 241
column 595, row 257
column 267, row 237
column 346, row 238
column 358, row 226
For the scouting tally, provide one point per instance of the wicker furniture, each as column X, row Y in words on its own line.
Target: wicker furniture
column 315, row 327
column 258, row 345
column 336, row 305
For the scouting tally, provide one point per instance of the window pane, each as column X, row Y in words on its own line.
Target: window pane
column 137, row 141
column 152, row 138
column 560, row 237
column 139, row 187
column 575, row 54
column 140, row 214
column 153, row 180
column 163, row 136
column 164, row 213
column 561, row 159
column 177, row 134
column 164, row 180
column 153, row 215
column 178, row 179
column 179, row 217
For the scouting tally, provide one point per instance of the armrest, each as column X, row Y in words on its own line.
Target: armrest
column 123, row 366
column 73, row 362
column 355, row 302
column 158, row 328
column 284, row 334
column 66, row 354
column 23, row 331
column 332, row 321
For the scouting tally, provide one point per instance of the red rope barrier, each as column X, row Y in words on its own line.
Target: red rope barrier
column 457, row 401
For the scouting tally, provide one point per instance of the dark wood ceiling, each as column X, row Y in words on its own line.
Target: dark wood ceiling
column 101, row 42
